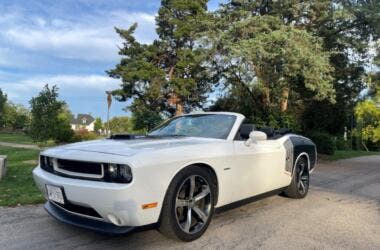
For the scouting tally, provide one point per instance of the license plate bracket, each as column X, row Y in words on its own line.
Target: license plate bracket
column 55, row 194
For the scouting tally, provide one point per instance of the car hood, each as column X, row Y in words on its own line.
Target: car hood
column 134, row 146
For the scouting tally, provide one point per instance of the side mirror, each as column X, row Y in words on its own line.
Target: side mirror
column 256, row 136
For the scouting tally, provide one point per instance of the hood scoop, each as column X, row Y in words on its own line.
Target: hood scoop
column 126, row 136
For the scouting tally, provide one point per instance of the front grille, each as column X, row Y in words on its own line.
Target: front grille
column 46, row 164
column 79, row 209
column 80, row 167
column 86, row 170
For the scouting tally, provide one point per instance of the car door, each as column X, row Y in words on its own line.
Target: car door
column 258, row 168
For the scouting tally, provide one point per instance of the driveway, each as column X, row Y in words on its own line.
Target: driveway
column 341, row 211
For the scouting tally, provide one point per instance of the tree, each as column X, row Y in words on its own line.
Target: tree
column 122, row 124
column 3, row 102
column 282, row 62
column 47, row 121
column 283, row 59
column 172, row 70
column 98, row 125
column 373, row 79
column 344, row 28
column 63, row 131
column 368, row 122
column 16, row 116
column 180, row 25
column 12, row 116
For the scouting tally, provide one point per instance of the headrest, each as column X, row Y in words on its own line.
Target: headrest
column 246, row 129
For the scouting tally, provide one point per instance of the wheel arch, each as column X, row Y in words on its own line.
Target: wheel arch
column 203, row 165
column 302, row 154
column 213, row 173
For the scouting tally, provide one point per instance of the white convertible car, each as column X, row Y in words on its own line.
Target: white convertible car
column 175, row 176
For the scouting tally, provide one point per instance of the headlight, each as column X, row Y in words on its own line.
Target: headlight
column 118, row 173
column 112, row 170
column 125, row 173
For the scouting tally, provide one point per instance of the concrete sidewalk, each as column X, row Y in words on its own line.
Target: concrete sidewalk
column 17, row 145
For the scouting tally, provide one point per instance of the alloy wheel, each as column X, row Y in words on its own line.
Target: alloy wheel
column 302, row 177
column 193, row 204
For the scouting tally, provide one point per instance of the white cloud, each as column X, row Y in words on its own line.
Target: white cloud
column 10, row 58
column 83, row 44
column 68, row 84
column 39, row 46
column 92, row 38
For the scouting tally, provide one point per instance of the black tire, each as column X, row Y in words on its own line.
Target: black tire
column 172, row 212
column 299, row 186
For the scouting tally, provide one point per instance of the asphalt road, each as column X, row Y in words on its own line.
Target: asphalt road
column 342, row 211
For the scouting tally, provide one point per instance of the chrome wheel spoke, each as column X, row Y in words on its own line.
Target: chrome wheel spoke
column 301, row 170
column 192, row 186
column 188, row 221
column 201, row 214
column 203, row 194
column 181, row 203
column 302, row 186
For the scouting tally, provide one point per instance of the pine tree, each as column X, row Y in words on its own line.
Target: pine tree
column 172, row 70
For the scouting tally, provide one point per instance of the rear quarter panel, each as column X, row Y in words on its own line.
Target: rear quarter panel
column 303, row 144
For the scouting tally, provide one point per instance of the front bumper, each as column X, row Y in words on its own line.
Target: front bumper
column 116, row 204
column 80, row 221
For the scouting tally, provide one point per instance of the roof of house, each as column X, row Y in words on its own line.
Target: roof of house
column 82, row 119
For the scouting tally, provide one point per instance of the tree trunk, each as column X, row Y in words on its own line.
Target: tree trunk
column 266, row 96
column 179, row 108
column 284, row 99
column 178, row 102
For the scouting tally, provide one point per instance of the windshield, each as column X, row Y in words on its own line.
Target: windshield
column 204, row 125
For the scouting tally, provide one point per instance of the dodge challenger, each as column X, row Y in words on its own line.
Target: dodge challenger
column 174, row 177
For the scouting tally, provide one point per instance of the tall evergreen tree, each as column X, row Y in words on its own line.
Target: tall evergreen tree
column 170, row 71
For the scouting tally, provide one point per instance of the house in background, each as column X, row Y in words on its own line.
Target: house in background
column 83, row 121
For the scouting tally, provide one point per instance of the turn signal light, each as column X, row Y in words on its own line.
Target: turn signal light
column 149, row 205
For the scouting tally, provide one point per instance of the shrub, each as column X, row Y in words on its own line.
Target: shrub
column 326, row 143
column 341, row 144
column 84, row 135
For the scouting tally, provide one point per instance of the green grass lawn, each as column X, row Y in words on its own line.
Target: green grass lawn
column 18, row 186
column 339, row 155
column 15, row 138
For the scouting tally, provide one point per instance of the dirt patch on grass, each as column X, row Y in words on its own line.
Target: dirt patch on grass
column 31, row 162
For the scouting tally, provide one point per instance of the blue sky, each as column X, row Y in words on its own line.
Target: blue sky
column 69, row 43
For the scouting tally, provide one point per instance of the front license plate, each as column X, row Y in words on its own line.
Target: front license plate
column 55, row 194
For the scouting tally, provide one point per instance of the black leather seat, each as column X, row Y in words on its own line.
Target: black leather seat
column 245, row 130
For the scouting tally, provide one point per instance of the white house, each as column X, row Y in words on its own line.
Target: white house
column 83, row 121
